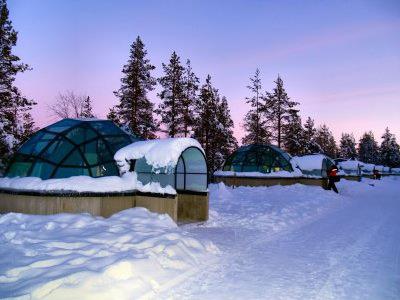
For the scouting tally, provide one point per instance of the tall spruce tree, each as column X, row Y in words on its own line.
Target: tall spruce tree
column 324, row 138
column 87, row 109
column 206, row 122
column 347, row 147
column 15, row 119
column 172, row 96
column 226, row 140
column 368, row 150
column 293, row 134
column 190, row 88
column 135, row 110
column 310, row 145
column 255, row 124
column 277, row 110
column 389, row 150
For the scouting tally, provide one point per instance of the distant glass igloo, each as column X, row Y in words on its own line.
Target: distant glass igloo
column 258, row 158
column 71, row 147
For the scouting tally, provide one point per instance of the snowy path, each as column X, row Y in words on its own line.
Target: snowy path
column 336, row 247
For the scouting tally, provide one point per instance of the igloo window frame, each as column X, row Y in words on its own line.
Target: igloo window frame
column 242, row 161
column 40, row 149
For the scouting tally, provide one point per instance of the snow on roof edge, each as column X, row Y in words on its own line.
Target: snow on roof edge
column 278, row 174
column 350, row 164
column 81, row 184
column 158, row 153
column 309, row 162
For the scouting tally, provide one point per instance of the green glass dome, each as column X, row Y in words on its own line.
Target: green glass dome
column 258, row 158
column 71, row 147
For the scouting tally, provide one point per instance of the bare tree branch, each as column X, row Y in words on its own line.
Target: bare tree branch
column 67, row 105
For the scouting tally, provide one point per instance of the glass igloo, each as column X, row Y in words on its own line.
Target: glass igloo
column 258, row 158
column 71, row 147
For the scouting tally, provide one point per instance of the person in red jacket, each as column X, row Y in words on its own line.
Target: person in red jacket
column 377, row 175
column 332, row 178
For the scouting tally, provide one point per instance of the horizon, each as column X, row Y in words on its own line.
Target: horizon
column 340, row 61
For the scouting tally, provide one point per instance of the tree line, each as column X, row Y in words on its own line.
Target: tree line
column 188, row 108
column 274, row 118
column 16, row 123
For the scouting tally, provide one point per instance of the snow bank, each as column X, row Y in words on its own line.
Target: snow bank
column 295, row 173
column 161, row 153
column 127, row 182
column 132, row 254
column 309, row 162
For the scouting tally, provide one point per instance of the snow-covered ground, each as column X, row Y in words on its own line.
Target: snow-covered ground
column 280, row 242
column 301, row 242
column 132, row 254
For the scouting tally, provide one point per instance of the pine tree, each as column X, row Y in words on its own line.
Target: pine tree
column 206, row 121
column 28, row 128
column 113, row 116
column 389, row 150
column 310, row 145
column 190, row 88
column 15, row 119
column 293, row 134
column 347, row 147
column 368, row 150
column 135, row 111
column 212, row 127
column 87, row 110
column 254, row 121
column 172, row 96
column 324, row 138
column 227, row 141
column 277, row 108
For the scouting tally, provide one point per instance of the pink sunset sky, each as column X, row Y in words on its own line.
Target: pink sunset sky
column 339, row 59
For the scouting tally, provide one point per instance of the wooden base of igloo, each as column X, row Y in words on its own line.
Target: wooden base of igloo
column 184, row 207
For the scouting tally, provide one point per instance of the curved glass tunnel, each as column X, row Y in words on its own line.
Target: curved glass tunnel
column 189, row 174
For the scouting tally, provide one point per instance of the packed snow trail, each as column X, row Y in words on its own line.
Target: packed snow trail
column 343, row 246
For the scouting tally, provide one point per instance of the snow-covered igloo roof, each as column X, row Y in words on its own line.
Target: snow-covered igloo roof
column 159, row 153
column 178, row 162
column 352, row 165
column 311, row 162
column 395, row 170
column 368, row 167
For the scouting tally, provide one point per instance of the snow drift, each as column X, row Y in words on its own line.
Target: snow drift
column 132, row 254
